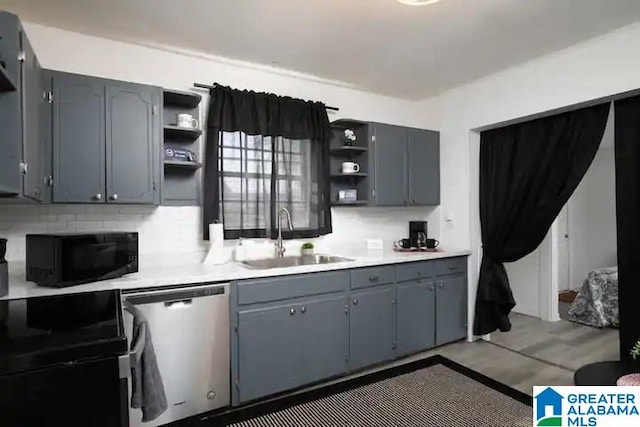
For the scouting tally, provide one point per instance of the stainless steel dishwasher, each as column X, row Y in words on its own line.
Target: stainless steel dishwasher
column 190, row 333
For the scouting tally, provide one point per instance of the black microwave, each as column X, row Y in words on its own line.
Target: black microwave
column 60, row 260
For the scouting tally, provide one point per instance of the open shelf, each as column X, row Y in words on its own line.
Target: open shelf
column 348, row 150
column 348, row 175
column 182, row 99
column 6, row 82
column 350, row 203
column 177, row 133
column 182, row 165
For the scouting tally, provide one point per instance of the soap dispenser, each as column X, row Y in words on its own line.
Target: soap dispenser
column 4, row 269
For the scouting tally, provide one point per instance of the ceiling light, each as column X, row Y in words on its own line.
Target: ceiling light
column 417, row 2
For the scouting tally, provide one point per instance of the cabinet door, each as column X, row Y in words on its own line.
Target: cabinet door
column 390, row 147
column 268, row 351
column 132, row 141
column 325, row 338
column 451, row 309
column 78, row 139
column 416, row 316
column 32, row 106
column 10, row 111
column 372, row 327
column 424, row 167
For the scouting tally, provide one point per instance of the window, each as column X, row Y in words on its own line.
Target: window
column 259, row 175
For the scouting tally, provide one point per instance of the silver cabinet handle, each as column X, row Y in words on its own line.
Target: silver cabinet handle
column 97, row 197
column 374, row 279
column 292, row 311
column 432, row 288
column 393, row 302
column 355, row 301
column 114, row 197
column 441, row 285
column 303, row 309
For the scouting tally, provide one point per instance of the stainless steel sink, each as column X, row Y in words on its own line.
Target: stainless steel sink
column 292, row 261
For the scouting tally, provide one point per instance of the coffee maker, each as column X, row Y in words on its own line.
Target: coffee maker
column 418, row 234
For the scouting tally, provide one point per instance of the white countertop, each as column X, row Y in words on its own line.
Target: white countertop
column 188, row 274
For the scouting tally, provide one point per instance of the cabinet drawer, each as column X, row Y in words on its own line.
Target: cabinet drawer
column 372, row 276
column 285, row 287
column 451, row 266
column 414, row 271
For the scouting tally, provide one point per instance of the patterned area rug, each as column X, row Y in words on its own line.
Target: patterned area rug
column 431, row 392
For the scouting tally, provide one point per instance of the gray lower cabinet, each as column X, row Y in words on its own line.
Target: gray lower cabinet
column 132, row 161
column 295, row 330
column 324, row 340
column 416, row 316
column 268, row 352
column 289, row 345
column 78, row 139
column 106, row 138
column 451, row 309
column 372, row 327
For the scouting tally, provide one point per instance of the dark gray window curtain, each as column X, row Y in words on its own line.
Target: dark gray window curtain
column 627, row 147
column 265, row 152
column 528, row 172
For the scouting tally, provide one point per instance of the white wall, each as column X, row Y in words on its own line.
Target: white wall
column 177, row 229
column 596, row 68
column 592, row 216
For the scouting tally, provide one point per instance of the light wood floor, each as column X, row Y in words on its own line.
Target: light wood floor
column 533, row 353
column 566, row 344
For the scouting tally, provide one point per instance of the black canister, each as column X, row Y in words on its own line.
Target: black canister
column 4, row 269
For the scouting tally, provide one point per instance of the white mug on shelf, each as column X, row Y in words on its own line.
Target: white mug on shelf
column 350, row 167
column 187, row 121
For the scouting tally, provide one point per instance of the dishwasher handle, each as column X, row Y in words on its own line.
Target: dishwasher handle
column 170, row 296
column 183, row 303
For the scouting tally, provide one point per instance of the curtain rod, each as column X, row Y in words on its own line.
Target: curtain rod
column 203, row 86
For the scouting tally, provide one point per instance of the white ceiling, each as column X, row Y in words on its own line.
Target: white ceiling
column 377, row 45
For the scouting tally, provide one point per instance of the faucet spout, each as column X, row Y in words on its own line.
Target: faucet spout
column 280, row 249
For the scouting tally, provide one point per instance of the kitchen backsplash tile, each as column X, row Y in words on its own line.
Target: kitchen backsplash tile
column 167, row 230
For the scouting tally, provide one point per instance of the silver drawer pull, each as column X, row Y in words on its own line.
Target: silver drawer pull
column 374, row 278
column 303, row 309
column 441, row 285
column 452, row 267
column 355, row 301
column 292, row 311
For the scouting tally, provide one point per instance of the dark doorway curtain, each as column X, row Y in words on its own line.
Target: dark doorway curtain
column 264, row 152
column 527, row 173
column 627, row 146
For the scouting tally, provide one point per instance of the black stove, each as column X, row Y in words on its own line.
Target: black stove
column 60, row 358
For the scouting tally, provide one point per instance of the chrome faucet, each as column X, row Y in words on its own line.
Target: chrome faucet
column 280, row 249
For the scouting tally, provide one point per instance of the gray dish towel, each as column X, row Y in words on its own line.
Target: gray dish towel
column 147, row 389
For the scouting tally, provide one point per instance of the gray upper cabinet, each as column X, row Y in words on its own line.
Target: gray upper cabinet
column 424, row 167
column 324, row 338
column 32, row 101
column 21, row 145
column 106, row 138
column 406, row 166
column 416, row 316
column 390, row 157
column 451, row 309
column 268, row 351
column 78, row 139
column 132, row 160
column 372, row 327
